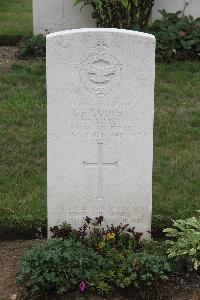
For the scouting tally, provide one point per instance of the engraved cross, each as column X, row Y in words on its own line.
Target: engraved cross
column 100, row 164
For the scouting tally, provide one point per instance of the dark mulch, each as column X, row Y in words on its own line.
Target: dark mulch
column 10, row 40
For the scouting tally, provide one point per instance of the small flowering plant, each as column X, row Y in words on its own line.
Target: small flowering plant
column 100, row 238
column 106, row 242
column 82, row 286
column 94, row 258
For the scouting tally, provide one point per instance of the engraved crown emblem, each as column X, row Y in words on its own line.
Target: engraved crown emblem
column 101, row 48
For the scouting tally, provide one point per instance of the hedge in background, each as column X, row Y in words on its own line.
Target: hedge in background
column 120, row 13
column 177, row 37
column 34, row 46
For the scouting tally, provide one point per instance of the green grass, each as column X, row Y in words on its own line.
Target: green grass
column 176, row 181
column 176, row 188
column 15, row 18
column 23, row 147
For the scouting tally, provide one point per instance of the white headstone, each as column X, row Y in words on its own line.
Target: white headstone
column 100, row 85
column 56, row 15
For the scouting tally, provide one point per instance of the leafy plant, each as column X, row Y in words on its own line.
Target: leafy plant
column 99, row 237
column 177, row 36
column 127, row 268
column 185, row 241
column 34, row 46
column 120, row 13
column 58, row 266
column 92, row 258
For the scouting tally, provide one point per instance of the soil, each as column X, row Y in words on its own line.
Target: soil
column 184, row 288
column 10, row 254
column 7, row 55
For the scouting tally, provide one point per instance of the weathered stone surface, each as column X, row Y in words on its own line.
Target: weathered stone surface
column 100, row 85
column 56, row 15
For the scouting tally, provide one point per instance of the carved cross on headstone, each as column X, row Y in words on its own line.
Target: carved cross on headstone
column 100, row 164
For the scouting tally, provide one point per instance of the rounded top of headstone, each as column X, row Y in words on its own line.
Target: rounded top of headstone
column 104, row 30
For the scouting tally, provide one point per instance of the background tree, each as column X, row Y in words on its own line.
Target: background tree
column 126, row 14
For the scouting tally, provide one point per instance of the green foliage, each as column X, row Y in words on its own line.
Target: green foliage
column 177, row 37
column 34, row 46
column 101, row 258
column 58, row 266
column 120, row 13
column 128, row 268
column 185, row 241
column 100, row 238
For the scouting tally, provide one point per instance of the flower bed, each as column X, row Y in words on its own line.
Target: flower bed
column 97, row 259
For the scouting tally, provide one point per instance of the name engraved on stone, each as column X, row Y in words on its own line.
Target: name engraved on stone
column 100, row 72
column 104, row 121
column 100, row 164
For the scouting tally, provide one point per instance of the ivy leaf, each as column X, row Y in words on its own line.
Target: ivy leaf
column 77, row 2
column 196, row 264
column 124, row 3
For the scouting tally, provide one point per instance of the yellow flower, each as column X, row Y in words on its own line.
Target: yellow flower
column 101, row 245
column 110, row 236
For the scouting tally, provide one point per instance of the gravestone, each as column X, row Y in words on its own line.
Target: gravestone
column 100, row 88
column 56, row 15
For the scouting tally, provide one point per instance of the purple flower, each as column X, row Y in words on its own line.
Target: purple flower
column 82, row 286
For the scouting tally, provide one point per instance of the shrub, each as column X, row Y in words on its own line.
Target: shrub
column 128, row 268
column 120, row 13
column 177, row 37
column 57, row 266
column 185, row 241
column 98, row 237
column 92, row 258
column 34, row 46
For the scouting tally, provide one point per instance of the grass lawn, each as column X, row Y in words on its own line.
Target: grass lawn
column 15, row 17
column 176, row 188
column 176, row 180
column 23, row 147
